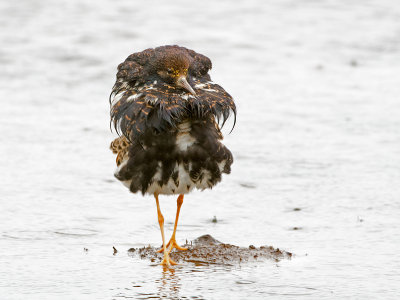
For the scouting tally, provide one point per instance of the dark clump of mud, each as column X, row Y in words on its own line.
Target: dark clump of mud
column 207, row 250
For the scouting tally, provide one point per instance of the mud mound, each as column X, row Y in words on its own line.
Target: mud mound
column 207, row 250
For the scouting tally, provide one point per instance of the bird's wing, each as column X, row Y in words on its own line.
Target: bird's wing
column 212, row 98
column 155, row 106
column 120, row 146
column 159, row 106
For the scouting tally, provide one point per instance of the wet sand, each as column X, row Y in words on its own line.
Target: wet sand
column 206, row 250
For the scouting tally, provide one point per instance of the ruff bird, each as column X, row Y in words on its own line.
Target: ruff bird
column 168, row 114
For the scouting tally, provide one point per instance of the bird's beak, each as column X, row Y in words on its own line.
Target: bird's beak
column 182, row 82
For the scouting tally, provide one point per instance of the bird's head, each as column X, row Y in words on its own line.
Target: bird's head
column 172, row 67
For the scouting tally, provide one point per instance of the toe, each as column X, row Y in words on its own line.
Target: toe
column 180, row 248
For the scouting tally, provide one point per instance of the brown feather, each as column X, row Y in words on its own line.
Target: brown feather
column 120, row 146
column 141, row 99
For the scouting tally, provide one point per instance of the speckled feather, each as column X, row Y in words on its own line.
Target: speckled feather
column 120, row 146
column 170, row 139
column 139, row 100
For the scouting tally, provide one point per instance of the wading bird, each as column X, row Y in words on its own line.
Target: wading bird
column 168, row 113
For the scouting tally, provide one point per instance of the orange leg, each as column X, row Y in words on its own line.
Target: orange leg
column 172, row 242
column 167, row 260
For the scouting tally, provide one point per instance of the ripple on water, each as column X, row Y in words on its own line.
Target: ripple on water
column 76, row 232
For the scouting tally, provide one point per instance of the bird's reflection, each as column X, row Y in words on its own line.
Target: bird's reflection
column 169, row 284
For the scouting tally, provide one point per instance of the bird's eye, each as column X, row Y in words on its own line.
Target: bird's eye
column 170, row 71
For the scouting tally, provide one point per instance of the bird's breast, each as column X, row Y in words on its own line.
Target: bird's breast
column 184, row 139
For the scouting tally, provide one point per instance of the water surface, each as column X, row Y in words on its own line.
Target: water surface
column 316, row 146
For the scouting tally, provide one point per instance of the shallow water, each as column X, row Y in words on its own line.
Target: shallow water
column 316, row 146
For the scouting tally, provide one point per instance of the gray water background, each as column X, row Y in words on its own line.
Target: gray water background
column 316, row 147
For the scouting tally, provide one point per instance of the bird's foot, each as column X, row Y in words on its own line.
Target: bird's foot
column 171, row 245
column 167, row 261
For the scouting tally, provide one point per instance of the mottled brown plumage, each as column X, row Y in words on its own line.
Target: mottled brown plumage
column 120, row 146
column 142, row 98
column 168, row 110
